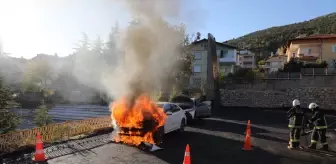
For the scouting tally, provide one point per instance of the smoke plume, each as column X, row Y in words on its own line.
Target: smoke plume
column 151, row 47
column 147, row 52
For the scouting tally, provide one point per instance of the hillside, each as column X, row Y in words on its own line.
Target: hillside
column 272, row 38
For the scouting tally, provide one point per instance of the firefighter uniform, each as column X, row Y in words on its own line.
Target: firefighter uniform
column 296, row 119
column 320, row 127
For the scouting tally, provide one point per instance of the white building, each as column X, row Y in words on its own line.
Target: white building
column 246, row 59
column 274, row 63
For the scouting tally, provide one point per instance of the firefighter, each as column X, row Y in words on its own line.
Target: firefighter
column 320, row 127
column 296, row 118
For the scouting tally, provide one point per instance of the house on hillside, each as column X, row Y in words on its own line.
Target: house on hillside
column 309, row 49
column 274, row 63
column 227, row 58
column 246, row 59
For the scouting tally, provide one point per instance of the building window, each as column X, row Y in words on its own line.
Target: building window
column 334, row 48
column 197, row 55
column 221, row 54
column 197, row 68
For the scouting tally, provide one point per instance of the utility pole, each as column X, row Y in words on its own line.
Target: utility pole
column 213, row 93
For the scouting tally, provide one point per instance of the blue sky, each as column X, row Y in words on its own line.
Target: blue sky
column 28, row 27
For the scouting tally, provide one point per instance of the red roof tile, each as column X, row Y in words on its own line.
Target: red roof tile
column 322, row 36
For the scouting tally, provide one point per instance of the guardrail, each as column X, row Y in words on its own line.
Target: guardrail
column 53, row 132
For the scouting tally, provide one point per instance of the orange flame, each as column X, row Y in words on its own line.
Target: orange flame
column 133, row 116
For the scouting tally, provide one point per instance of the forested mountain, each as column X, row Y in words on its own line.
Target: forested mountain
column 275, row 37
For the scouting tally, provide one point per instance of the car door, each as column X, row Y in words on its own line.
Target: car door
column 176, row 117
column 203, row 110
column 169, row 120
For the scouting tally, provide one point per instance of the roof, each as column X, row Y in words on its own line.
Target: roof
column 223, row 44
column 276, row 58
column 316, row 37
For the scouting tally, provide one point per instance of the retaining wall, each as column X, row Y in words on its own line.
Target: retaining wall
column 324, row 97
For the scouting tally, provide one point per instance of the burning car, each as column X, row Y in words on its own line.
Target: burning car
column 145, row 121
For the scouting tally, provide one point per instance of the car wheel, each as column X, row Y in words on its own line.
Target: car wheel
column 182, row 126
column 189, row 118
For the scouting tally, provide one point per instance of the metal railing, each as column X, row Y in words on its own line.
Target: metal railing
column 283, row 75
column 54, row 132
column 318, row 71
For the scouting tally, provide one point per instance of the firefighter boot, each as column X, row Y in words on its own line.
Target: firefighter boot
column 312, row 146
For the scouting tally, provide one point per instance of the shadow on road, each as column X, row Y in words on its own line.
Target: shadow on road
column 274, row 118
column 206, row 148
column 217, row 124
column 270, row 117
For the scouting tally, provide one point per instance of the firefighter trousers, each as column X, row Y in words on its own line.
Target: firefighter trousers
column 319, row 134
column 294, row 135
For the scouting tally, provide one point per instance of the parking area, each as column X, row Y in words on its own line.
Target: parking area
column 218, row 139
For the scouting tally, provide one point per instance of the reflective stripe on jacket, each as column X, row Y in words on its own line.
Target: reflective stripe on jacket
column 319, row 121
column 296, row 117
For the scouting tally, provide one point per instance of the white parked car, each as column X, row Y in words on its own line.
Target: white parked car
column 175, row 121
column 176, row 118
column 193, row 109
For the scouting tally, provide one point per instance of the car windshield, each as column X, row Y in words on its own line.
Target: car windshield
column 164, row 106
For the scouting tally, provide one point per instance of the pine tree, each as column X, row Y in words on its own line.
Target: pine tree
column 8, row 120
column 41, row 116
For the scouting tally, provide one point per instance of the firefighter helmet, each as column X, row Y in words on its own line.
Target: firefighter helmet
column 296, row 102
column 312, row 106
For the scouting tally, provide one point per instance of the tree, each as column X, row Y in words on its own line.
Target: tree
column 84, row 44
column 114, row 34
column 97, row 46
column 38, row 76
column 111, row 54
column 42, row 117
column 261, row 62
column 333, row 28
column 8, row 120
column 184, row 59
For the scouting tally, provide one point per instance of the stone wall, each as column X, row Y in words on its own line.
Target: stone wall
column 324, row 97
column 283, row 84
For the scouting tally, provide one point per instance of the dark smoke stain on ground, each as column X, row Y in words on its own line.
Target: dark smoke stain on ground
column 215, row 140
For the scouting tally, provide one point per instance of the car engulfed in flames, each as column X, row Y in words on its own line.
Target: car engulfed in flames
column 136, row 122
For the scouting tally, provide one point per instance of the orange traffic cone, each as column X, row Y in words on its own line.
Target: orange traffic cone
column 247, row 144
column 187, row 159
column 39, row 154
column 248, row 128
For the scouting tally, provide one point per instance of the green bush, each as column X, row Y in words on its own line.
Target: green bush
column 292, row 66
column 42, row 117
column 261, row 62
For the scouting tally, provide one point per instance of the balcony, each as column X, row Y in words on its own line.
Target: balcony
column 227, row 60
column 245, row 59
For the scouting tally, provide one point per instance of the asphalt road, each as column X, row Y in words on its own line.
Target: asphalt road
column 215, row 140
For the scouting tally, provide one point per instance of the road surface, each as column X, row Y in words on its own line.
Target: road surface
column 215, row 140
